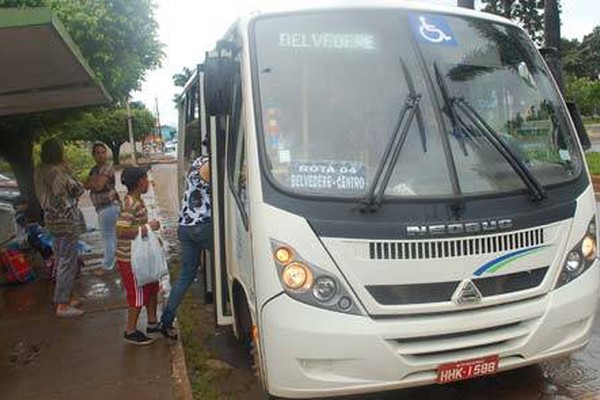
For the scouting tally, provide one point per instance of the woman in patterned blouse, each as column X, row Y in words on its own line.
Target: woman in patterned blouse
column 58, row 192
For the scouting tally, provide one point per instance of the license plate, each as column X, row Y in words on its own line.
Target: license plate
column 467, row 369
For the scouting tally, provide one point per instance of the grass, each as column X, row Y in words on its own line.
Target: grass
column 591, row 120
column 193, row 339
column 593, row 161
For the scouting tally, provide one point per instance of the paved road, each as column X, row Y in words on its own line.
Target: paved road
column 575, row 377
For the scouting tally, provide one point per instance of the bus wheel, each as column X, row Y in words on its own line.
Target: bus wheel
column 246, row 336
column 250, row 342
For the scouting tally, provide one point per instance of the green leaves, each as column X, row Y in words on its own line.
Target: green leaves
column 527, row 13
column 586, row 93
column 118, row 38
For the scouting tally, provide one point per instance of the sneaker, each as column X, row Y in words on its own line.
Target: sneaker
column 68, row 312
column 152, row 328
column 138, row 338
column 168, row 331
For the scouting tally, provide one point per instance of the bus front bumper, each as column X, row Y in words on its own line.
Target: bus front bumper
column 311, row 352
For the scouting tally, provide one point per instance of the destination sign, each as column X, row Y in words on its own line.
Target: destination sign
column 338, row 41
column 329, row 176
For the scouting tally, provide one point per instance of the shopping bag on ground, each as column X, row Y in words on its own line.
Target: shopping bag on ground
column 148, row 259
column 16, row 267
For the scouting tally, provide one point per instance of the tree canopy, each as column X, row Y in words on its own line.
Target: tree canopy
column 181, row 78
column 528, row 13
column 109, row 125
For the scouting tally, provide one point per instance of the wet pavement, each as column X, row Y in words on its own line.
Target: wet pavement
column 43, row 357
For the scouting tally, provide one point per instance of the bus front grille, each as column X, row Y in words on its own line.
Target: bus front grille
column 436, row 249
column 442, row 291
column 438, row 349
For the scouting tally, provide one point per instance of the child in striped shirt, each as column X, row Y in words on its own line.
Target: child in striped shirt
column 133, row 216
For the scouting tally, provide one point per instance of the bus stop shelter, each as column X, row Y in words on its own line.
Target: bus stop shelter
column 41, row 68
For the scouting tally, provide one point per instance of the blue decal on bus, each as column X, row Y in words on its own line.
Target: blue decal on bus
column 432, row 29
column 506, row 259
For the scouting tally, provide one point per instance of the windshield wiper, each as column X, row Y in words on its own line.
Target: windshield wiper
column 457, row 128
column 534, row 186
column 452, row 104
column 372, row 201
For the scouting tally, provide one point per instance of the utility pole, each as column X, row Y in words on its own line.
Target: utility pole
column 552, row 39
column 158, row 133
column 130, row 128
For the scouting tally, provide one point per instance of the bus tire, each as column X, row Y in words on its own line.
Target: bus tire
column 250, row 343
column 243, row 322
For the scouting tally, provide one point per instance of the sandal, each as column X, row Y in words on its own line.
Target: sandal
column 68, row 312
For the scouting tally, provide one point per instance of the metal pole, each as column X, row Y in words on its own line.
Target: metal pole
column 130, row 128
column 467, row 4
column 552, row 39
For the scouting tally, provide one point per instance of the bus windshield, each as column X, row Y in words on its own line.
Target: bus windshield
column 332, row 85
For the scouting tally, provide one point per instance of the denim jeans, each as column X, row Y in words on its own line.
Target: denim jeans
column 107, row 222
column 192, row 239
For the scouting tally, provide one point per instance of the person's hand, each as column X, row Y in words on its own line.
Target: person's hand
column 154, row 224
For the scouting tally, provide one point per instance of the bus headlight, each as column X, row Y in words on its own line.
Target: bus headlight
column 581, row 257
column 324, row 288
column 296, row 276
column 310, row 284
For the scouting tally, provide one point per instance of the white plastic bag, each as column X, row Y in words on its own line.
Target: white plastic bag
column 148, row 259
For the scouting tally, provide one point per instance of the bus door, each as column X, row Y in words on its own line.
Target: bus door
column 216, row 110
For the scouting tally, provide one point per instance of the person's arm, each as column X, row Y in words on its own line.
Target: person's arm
column 97, row 182
column 204, row 171
column 98, row 179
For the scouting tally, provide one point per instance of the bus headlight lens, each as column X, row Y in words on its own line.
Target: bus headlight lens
column 296, row 276
column 573, row 262
column 324, row 288
column 581, row 257
column 309, row 284
column 283, row 255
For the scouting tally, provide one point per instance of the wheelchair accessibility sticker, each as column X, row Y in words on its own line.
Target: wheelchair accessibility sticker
column 432, row 29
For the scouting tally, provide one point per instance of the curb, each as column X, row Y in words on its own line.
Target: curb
column 179, row 374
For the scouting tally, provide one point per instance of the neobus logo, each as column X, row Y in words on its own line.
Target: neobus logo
column 457, row 229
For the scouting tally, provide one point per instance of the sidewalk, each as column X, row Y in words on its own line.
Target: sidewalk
column 43, row 357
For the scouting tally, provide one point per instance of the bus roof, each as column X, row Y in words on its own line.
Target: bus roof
column 283, row 7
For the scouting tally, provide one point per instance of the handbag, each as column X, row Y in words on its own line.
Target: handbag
column 148, row 259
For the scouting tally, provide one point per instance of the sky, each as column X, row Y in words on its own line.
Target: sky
column 189, row 28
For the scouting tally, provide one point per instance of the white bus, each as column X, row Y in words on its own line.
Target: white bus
column 400, row 197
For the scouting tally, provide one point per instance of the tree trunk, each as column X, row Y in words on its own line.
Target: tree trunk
column 508, row 8
column 467, row 4
column 552, row 39
column 17, row 149
column 115, row 148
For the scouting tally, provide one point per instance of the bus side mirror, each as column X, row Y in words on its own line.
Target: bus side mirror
column 218, row 84
column 579, row 126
